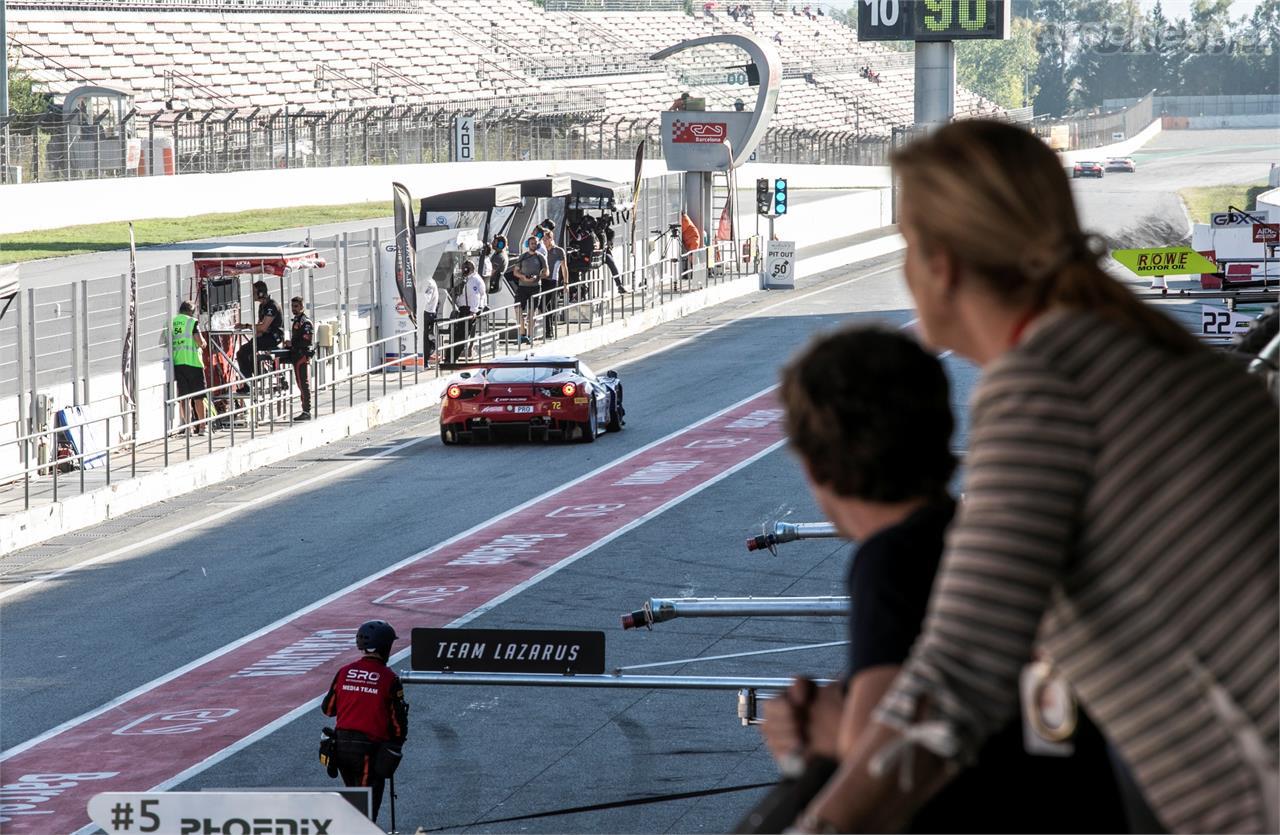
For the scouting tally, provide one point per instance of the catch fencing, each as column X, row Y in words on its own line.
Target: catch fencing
column 1242, row 105
column 43, row 148
column 1096, row 130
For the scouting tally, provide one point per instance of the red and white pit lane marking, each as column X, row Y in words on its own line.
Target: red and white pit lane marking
column 177, row 726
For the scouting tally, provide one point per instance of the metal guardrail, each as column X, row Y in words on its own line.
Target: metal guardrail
column 610, row 680
column 564, row 126
column 31, row 444
column 1096, row 130
column 582, row 305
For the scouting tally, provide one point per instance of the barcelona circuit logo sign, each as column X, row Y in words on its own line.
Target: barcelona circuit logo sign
column 699, row 132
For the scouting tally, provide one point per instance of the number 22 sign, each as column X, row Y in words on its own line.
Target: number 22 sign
column 1217, row 321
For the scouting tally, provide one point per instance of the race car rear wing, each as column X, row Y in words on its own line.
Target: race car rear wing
column 533, row 362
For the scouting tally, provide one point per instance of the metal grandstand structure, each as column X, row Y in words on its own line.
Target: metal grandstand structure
column 298, row 87
column 615, row 5
column 225, row 6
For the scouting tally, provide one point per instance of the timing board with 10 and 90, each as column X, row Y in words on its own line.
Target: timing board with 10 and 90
column 932, row 20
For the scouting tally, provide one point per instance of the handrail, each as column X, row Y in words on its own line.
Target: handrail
column 43, row 432
column 581, row 304
column 54, row 462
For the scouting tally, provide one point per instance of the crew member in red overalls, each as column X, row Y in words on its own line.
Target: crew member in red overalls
column 368, row 699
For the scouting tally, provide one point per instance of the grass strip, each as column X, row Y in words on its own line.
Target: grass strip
column 100, row 237
column 1202, row 201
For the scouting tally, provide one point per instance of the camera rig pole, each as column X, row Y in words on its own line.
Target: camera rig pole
column 749, row 689
column 660, row 609
column 790, row 532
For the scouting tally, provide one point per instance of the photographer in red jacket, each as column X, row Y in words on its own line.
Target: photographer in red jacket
column 373, row 717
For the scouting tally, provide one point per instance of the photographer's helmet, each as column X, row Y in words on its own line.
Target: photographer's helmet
column 375, row 636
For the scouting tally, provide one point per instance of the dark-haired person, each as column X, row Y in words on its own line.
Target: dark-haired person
column 367, row 698
column 605, row 237
column 472, row 302
column 869, row 417
column 299, row 343
column 188, row 364
column 581, row 245
column 267, row 332
column 530, row 269
column 498, row 262
column 1122, row 487
column 555, row 280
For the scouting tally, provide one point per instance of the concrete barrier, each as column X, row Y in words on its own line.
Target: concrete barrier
column 1236, row 121
column 27, row 207
column 29, row 527
column 1270, row 200
column 1119, row 149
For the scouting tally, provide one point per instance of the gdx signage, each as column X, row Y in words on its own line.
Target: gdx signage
column 932, row 20
column 508, row 651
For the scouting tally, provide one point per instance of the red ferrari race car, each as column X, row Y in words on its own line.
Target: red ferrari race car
column 1087, row 169
column 542, row 396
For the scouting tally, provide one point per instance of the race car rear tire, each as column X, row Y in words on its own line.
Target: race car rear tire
column 448, row 436
column 592, row 427
column 616, row 412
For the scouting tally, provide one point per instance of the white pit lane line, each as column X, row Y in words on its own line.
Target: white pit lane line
column 329, row 474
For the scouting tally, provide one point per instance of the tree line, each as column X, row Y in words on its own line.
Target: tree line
column 1109, row 49
column 1071, row 55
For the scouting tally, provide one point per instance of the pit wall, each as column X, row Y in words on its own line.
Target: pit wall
column 28, row 207
column 1119, row 149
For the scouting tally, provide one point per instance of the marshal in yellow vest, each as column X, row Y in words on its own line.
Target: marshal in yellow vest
column 186, row 350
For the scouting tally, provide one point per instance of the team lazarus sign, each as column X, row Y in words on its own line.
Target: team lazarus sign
column 932, row 20
column 507, row 651
column 1169, row 260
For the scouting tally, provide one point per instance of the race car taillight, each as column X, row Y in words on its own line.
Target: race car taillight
column 568, row 389
column 454, row 392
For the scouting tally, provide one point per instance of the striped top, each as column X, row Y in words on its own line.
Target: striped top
column 1120, row 511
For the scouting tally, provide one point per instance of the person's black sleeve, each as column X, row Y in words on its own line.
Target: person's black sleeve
column 399, row 712
column 888, row 598
column 329, row 707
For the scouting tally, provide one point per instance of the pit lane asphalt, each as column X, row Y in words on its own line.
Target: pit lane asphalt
column 479, row 755
column 73, row 644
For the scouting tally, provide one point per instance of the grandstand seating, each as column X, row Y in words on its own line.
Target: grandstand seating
column 456, row 55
